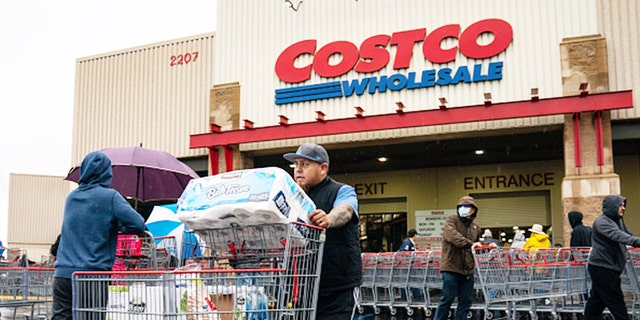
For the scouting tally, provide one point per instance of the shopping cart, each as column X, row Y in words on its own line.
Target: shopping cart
column 366, row 296
column 433, row 281
column 573, row 279
column 382, row 293
column 22, row 286
column 630, row 281
column 136, row 251
column 399, row 283
column 166, row 252
column 259, row 272
column 39, row 291
column 491, row 279
column 417, row 282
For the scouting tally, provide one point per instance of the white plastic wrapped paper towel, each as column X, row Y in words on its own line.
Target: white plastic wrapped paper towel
column 243, row 197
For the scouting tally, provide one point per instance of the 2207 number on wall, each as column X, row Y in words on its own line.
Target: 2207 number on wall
column 185, row 58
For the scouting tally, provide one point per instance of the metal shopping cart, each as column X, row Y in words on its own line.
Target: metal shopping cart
column 23, row 286
column 39, row 291
column 166, row 252
column 366, row 296
column 382, row 293
column 491, row 280
column 630, row 281
column 434, row 281
column 573, row 279
column 417, row 282
column 136, row 251
column 399, row 283
column 259, row 272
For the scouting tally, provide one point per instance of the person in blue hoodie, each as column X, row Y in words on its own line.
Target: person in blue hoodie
column 609, row 240
column 93, row 216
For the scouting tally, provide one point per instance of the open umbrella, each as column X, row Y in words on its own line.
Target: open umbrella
column 144, row 174
column 163, row 222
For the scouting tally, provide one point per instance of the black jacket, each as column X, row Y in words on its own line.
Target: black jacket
column 581, row 234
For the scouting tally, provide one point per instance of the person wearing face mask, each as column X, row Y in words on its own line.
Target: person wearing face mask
column 609, row 240
column 459, row 236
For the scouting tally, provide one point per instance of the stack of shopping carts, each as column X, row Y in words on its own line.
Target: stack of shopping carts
column 22, row 285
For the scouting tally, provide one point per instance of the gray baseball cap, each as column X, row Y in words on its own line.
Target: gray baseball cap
column 309, row 151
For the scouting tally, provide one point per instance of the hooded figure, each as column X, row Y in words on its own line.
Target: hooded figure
column 459, row 235
column 609, row 241
column 518, row 240
column 93, row 215
column 581, row 234
column 611, row 236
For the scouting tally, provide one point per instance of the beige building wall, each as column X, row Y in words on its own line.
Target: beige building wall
column 618, row 23
column 36, row 206
column 154, row 95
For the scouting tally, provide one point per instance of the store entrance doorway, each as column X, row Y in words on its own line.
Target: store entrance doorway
column 382, row 232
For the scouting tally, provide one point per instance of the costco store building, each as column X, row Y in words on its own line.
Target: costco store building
column 528, row 106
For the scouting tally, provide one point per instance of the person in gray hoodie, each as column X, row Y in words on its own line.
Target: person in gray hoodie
column 609, row 241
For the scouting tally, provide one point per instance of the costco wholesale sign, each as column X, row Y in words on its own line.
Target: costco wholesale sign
column 373, row 55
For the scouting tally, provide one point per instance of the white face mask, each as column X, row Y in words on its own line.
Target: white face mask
column 464, row 211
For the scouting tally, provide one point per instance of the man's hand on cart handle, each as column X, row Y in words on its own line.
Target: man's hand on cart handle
column 320, row 218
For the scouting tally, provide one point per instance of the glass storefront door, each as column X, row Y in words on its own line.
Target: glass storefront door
column 382, row 232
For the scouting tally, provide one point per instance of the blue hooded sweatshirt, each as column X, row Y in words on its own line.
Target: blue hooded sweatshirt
column 93, row 215
column 610, row 236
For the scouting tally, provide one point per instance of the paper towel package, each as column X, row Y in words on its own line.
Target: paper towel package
column 243, row 197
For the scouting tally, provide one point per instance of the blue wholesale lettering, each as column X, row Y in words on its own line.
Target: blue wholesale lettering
column 396, row 82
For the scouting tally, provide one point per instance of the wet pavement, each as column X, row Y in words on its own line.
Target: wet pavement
column 23, row 313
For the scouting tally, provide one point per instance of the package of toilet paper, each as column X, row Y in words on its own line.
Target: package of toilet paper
column 243, row 198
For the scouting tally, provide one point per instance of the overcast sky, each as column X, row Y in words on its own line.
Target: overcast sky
column 41, row 41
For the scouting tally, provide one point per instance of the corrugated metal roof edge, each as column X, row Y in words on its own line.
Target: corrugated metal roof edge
column 145, row 47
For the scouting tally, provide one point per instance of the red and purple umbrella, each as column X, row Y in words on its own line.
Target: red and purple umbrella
column 144, row 175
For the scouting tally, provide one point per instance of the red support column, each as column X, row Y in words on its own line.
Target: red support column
column 213, row 157
column 228, row 158
column 599, row 144
column 576, row 140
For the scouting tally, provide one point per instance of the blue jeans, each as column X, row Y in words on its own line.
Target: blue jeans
column 455, row 285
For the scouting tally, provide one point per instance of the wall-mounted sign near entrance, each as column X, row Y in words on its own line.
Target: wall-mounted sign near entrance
column 429, row 223
column 374, row 54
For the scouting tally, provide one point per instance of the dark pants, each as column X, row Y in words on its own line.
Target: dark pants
column 90, row 299
column 337, row 305
column 455, row 285
column 62, row 299
column 606, row 292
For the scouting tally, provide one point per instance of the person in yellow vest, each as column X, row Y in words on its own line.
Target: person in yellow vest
column 537, row 239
